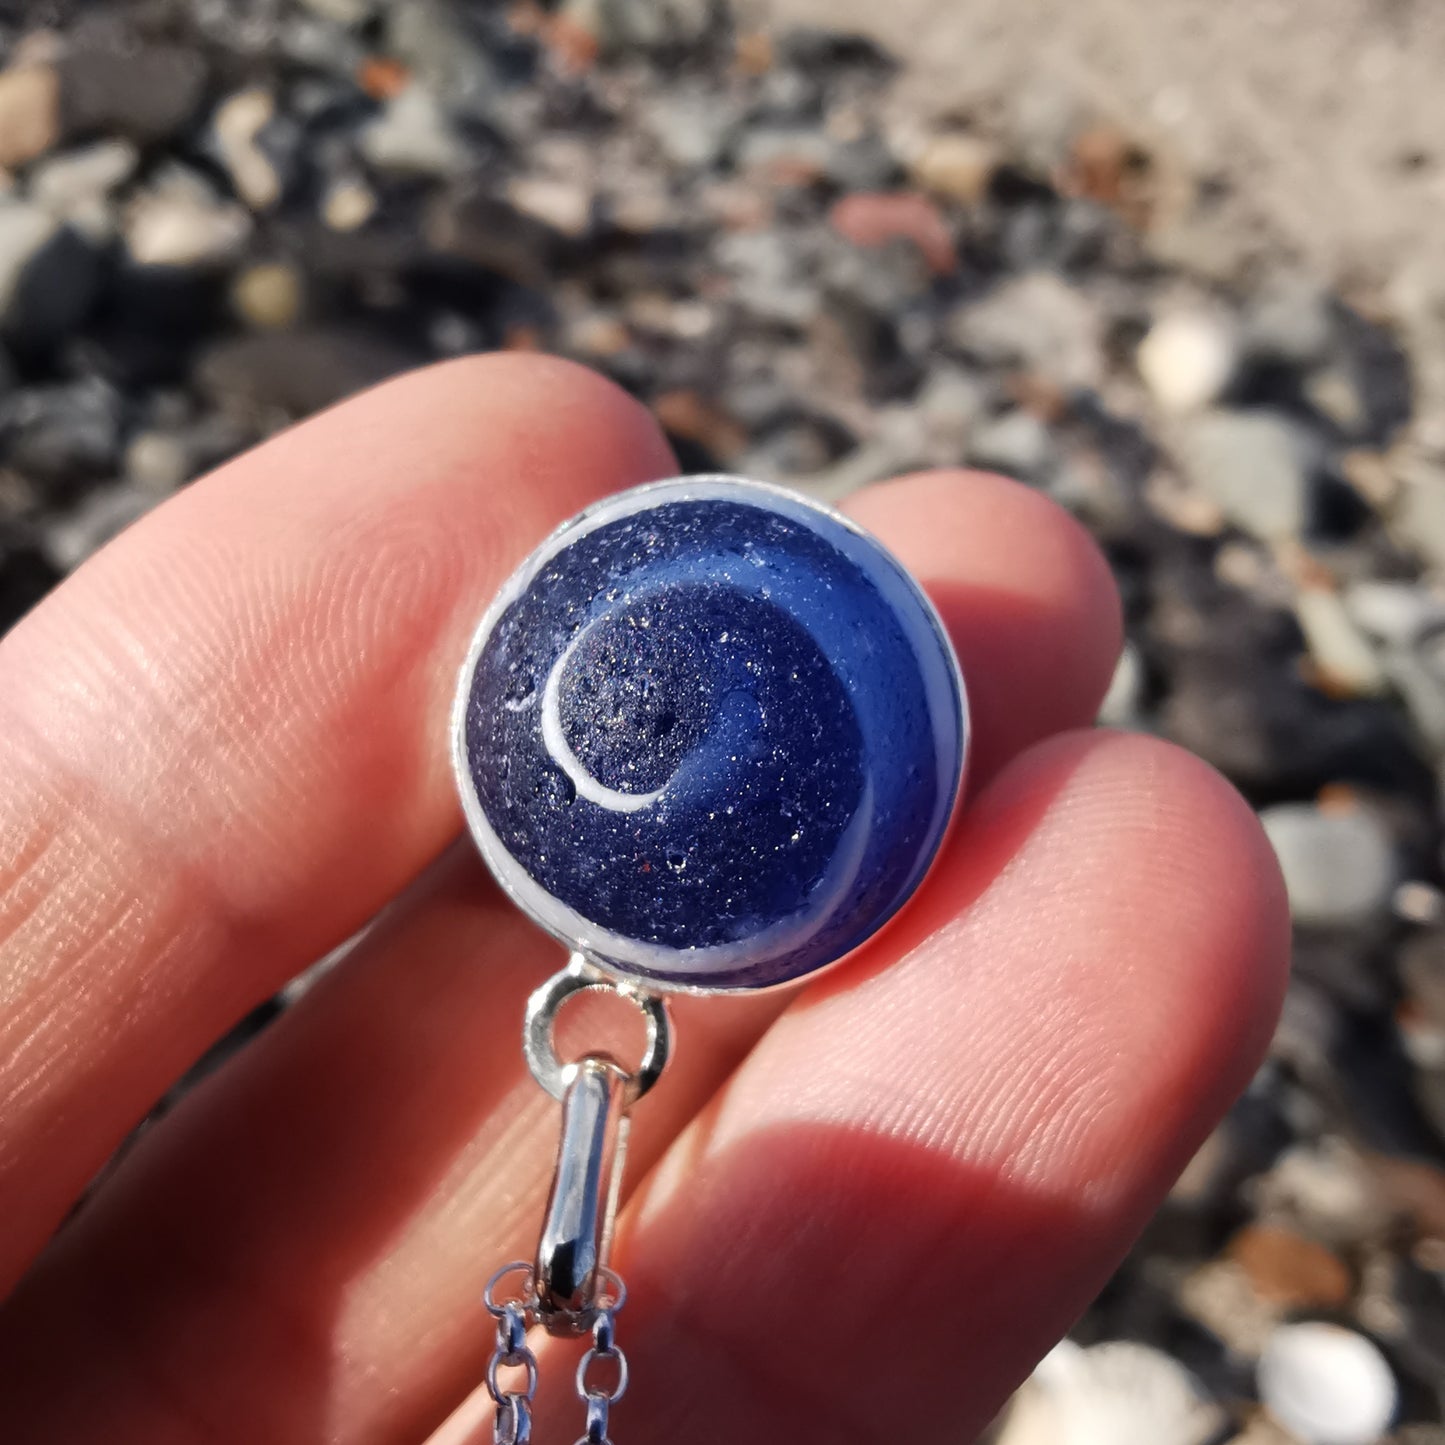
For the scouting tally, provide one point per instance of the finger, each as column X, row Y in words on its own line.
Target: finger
column 919, row 1178
column 1026, row 595
column 373, row 1158
column 219, row 739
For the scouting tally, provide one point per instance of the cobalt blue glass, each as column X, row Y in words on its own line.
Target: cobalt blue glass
column 710, row 735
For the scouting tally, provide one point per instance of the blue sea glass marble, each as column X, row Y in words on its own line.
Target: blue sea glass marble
column 710, row 735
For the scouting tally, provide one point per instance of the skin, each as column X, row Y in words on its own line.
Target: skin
column 861, row 1210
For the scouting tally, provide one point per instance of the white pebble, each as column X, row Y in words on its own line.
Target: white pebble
column 76, row 185
column 239, row 120
column 1120, row 708
column 1336, row 643
column 156, row 461
column 559, row 204
column 1188, row 359
column 1339, row 866
column 413, row 136
column 1112, row 1394
column 180, row 221
column 1395, row 612
column 348, row 205
column 1327, row 1385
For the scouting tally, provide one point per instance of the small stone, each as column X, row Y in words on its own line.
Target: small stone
column 873, row 220
column 77, row 185
column 1109, row 167
column 1422, row 903
column 1188, row 358
column 268, row 296
column 145, row 92
column 1121, row 705
column 238, row 122
column 1289, row 1270
column 157, row 462
column 1036, row 323
column 1257, row 466
column 349, row 204
column 414, row 136
column 1394, row 612
column 1017, row 444
column 1347, row 663
column 1339, row 865
column 61, row 435
column 1327, row 1385
column 180, row 221
column 1327, row 1191
column 950, row 404
column 1335, row 393
column 102, row 516
column 957, row 166
column 29, row 113
column 564, row 206
column 1120, row 1393
column 437, row 40
column 693, row 128
column 599, row 333
column 1419, row 519
column 1289, row 321
column 1220, row 1296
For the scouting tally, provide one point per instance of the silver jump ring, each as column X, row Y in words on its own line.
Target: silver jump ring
column 610, row 1300
column 585, row 1364
column 494, row 1387
column 542, row 1009
column 489, row 1295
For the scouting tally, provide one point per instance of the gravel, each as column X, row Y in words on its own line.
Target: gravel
column 218, row 219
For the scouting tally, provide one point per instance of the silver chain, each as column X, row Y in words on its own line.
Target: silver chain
column 513, row 1423
column 604, row 1359
column 601, row 1373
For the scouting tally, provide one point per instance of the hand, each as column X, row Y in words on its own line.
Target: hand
column 860, row 1212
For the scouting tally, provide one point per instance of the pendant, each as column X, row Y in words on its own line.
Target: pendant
column 710, row 735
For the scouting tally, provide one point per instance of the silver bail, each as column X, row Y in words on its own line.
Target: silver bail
column 577, row 1227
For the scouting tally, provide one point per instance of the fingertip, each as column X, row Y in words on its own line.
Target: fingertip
column 1026, row 594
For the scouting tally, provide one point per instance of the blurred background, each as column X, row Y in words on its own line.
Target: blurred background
column 1178, row 265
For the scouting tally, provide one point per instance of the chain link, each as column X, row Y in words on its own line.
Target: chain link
column 513, row 1424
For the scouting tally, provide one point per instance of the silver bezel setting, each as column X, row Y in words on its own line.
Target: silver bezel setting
column 485, row 837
